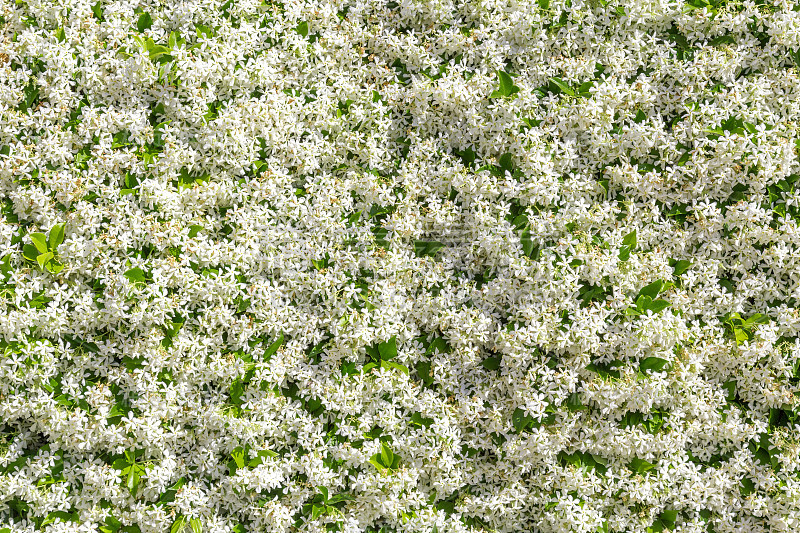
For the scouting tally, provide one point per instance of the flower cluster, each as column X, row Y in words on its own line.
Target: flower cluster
column 400, row 266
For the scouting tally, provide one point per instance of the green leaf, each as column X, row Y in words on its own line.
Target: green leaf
column 376, row 462
column 133, row 478
column 388, row 349
column 574, row 403
column 30, row 252
column 641, row 466
column 528, row 246
column 747, row 487
column 630, row 240
column 174, row 39
column 491, row 363
column 39, row 240
column 43, row 259
column 269, row 352
column 680, row 267
column 561, row 87
column 316, row 511
column 196, row 525
column 655, row 364
column 135, row 275
column 395, row 366
column 177, row 525
column 56, row 236
column 97, row 10
column 544, row 4
column 757, row 318
column 259, row 459
column 155, row 51
column 520, row 420
column 795, row 55
column 387, row 456
column 302, row 29
column 424, row 372
column 656, row 306
column 652, row 289
column 145, row 22
column 195, row 230
column 239, row 456
column 506, row 83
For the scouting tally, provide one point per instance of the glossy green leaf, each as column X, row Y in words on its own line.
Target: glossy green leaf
column 656, row 364
column 652, row 289
column 640, row 465
column 388, row 349
column 680, row 267
column 387, row 456
column 30, row 252
column 43, row 259
column 558, row 86
column 144, row 22
column 135, row 275
column 56, row 236
column 39, row 240
column 178, row 524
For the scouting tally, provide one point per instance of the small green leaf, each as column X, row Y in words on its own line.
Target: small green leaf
column 506, row 83
column 655, row 364
column 656, row 306
column 145, row 22
column 520, row 420
column 396, row 366
column 269, row 352
column 155, row 51
column 652, row 289
column 528, row 246
column 641, row 466
column 133, row 479
column 424, row 372
column 757, row 318
column 177, row 525
column 196, row 525
column 30, row 252
column 56, row 236
column 97, row 10
column 174, row 39
column 680, row 267
column 43, row 259
column 387, row 456
column 39, row 240
column 630, row 240
column 747, row 487
column 561, row 87
column 429, row 248
column 195, row 230
column 302, row 29
column 388, row 349
column 491, row 363
column 376, row 462
column 135, row 275
column 239, row 455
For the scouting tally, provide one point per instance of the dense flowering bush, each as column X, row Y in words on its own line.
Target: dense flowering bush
column 410, row 266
